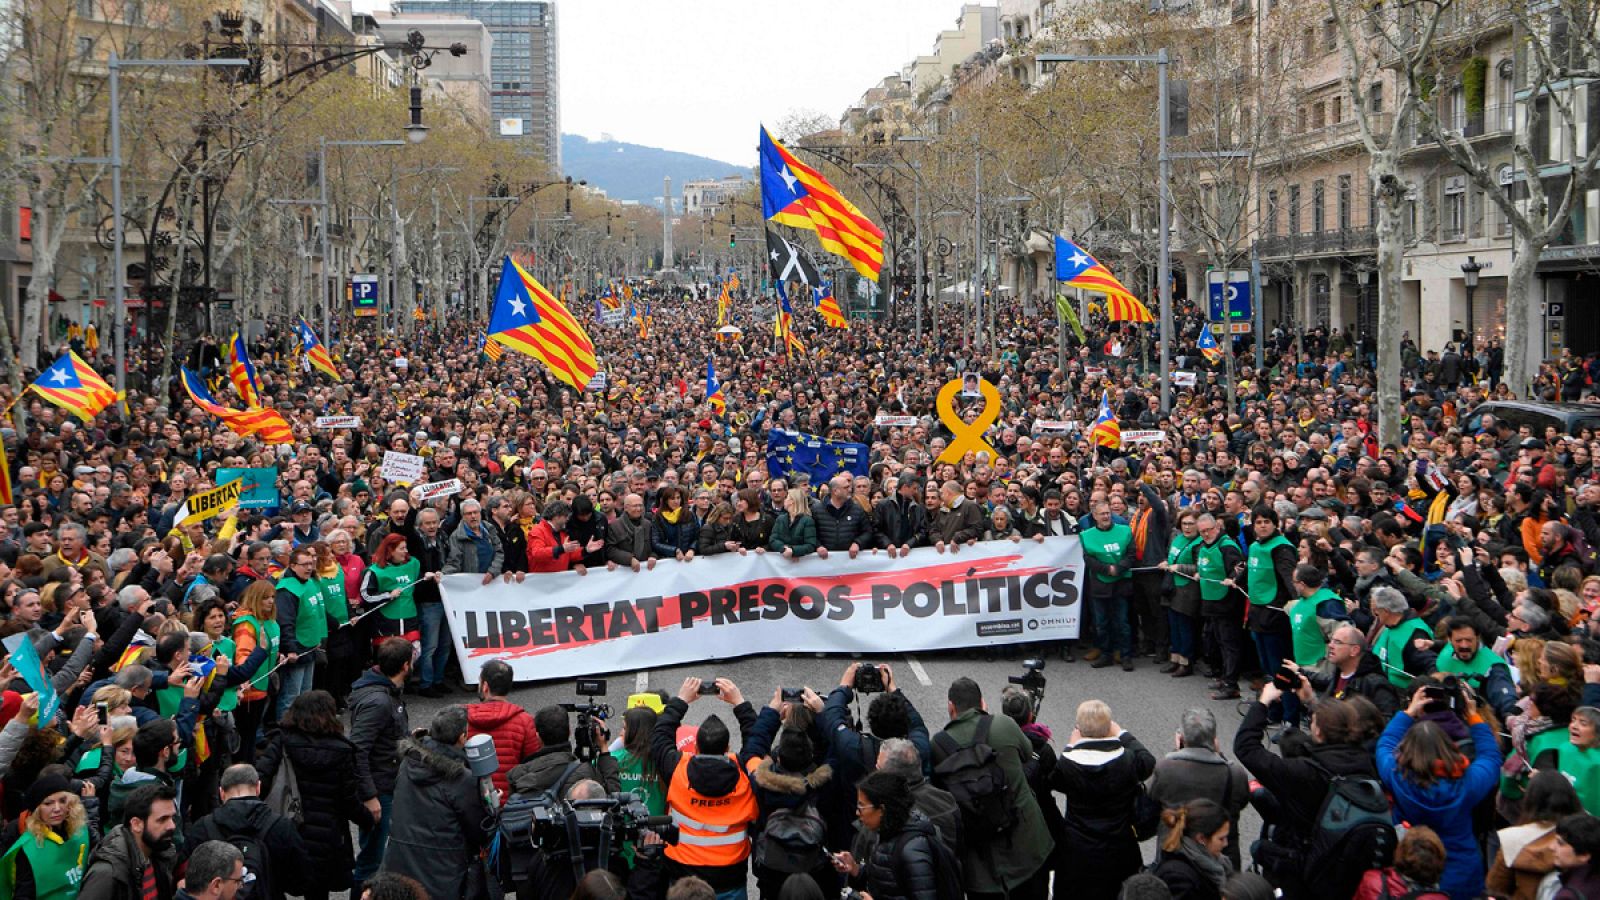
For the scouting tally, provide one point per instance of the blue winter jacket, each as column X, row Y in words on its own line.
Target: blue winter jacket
column 1446, row 805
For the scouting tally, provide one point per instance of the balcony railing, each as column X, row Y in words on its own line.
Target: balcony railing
column 1331, row 242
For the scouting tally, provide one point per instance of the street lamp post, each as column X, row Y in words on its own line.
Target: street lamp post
column 119, row 312
column 331, row 286
column 916, row 222
column 1469, row 271
column 1164, row 164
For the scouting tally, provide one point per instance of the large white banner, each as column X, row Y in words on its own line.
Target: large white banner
column 564, row 624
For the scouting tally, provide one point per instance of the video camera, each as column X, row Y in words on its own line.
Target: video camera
column 584, row 745
column 1031, row 680
column 582, row 834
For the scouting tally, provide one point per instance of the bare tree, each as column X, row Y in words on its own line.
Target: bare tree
column 1372, row 37
column 1559, row 47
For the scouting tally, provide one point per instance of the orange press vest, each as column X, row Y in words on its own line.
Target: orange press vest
column 713, row 831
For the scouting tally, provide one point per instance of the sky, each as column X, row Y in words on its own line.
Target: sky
column 701, row 76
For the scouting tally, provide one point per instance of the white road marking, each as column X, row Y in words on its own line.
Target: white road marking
column 919, row 671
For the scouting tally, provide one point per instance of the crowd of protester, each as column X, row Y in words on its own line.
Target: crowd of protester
column 1405, row 628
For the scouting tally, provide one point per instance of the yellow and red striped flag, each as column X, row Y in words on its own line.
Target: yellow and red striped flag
column 528, row 319
column 794, row 194
column 70, row 384
column 1077, row 268
column 314, row 351
column 268, row 424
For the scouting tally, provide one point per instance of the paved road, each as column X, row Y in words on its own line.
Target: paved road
column 1144, row 702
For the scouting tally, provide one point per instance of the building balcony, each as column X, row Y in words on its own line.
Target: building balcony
column 1331, row 242
column 1326, row 139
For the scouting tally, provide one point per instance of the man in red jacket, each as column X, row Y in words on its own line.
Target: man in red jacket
column 509, row 724
column 551, row 549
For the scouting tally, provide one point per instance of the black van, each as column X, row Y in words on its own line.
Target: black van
column 1566, row 417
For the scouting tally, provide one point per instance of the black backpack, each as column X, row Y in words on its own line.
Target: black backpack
column 946, row 867
column 792, row 841
column 257, row 875
column 973, row 775
column 1353, row 832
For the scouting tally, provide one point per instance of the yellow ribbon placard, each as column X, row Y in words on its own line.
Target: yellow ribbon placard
column 965, row 437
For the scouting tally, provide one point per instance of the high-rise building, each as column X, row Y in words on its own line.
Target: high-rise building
column 524, row 71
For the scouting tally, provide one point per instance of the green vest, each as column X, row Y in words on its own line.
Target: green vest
column 1175, row 556
column 230, row 697
column 1390, row 649
column 1310, row 645
column 267, row 637
column 310, row 621
column 1582, row 768
column 1475, row 669
column 1108, row 545
column 334, row 599
column 57, row 866
column 1210, row 567
column 1263, row 578
column 393, row 578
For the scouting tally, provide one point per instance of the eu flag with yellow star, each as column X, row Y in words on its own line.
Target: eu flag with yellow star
column 790, row 453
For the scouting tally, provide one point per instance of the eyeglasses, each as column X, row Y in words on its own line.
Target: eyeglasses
column 863, row 807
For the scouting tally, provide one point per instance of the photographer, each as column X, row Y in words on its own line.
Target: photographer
column 708, row 793
column 560, row 763
column 889, row 715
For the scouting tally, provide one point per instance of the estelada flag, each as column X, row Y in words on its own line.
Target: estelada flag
column 70, row 384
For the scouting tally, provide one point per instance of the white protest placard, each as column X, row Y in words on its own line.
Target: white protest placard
column 597, row 383
column 609, row 316
column 402, row 468
column 435, row 489
column 1054, row 426
column 338, row 422
column 1095, row 373
column 1143, row 437
column 561, row 624
column 1184, row 379
column 888, row 421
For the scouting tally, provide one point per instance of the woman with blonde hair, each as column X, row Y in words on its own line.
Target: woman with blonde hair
column 255, row 623
column 795, row 533
column 47, row 861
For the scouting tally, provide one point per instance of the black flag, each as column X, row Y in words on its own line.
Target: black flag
column 788, row 262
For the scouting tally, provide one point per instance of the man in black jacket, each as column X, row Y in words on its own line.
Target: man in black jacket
column 842, row 525
column 1151, row 533
column 1354, row 672
column 242, row 815
column 901, row 522
column 378, row 722
column 556, row 767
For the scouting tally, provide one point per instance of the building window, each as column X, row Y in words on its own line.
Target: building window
column 1272, row 212
column 86, row 8
column 133, row 12
column 1318, row 204
column 85, row 47
column 1294, row 209
column 1410, row 213
column 1458, row 110
column 1455, row 208
column 1375, row 97
column 1308, row 42
column 1330, row 36
column 1318, row 115
column 1335, row 110
column 1344, row 202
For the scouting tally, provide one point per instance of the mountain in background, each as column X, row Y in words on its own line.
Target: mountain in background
column 634, row 172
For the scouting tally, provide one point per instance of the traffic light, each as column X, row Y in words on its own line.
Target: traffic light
column 731, row 239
